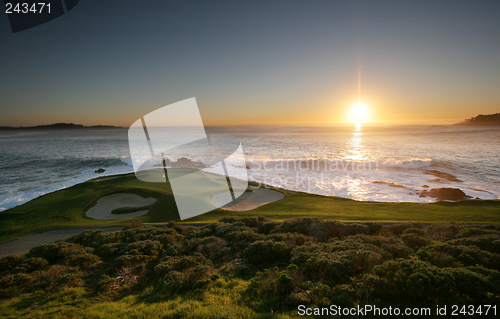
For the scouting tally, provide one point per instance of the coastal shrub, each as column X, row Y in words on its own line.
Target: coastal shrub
column 254, row 222
column 291, row 239
column 473, row 287
column 8, row 263
column 267, row 252
column 275, row 288
column 268, row 227
column 414, row 282
column 313, row 227
column 54, row 252
column 214, row 248
column 398, row 229
column 84, row 261
column 354, row 229
column 173, row 249
column 134, row 224
column 489, row 242
column 376, row 240
column 411, row 282
column 439, row 259
column 32, row 264
column 151, row 248
column 375, row 228
column 110, row 251
column 190, row 278
column 182, row 230
column 52, row 275
column 331, row 268
column 417, row 231
column 365, row 260
column 298, row 225
column 180, row 263
column 204, row 231
column 131, row 261
column 71, row 280
column 13, row 284
column 470, row 231
column 443, row 231
column 106, row 284
column 145, row 233
column 466, row 255
column 415, row 241
column 94, row 238
column 229, row 219
column 397, row 250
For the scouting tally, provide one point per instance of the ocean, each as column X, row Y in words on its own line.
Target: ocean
column 362, row 162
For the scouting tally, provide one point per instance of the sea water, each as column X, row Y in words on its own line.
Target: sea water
column 362, row 162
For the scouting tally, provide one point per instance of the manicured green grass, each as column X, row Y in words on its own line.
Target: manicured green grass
column 66, row 208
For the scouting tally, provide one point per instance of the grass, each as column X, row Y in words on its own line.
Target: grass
column 66, row 208
column 221, row 300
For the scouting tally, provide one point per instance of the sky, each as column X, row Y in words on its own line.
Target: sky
column 254, row 62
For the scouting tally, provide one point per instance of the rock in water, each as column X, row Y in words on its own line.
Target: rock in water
column 100, row 170
column 453, row 194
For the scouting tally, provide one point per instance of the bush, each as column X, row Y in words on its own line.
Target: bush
column 489, row 242
column 211, row 247
column 418, row 283
column 466, row 255
column 94, row 238
column 443, row 231
column 267, row 253
column 151, row 248
column 468, row 232
column 32, row 264
column 414, row 241
column 85, row 260
column 8, row 263
column 268, row 227
column 417, row 231
column 397, row 251
column 398, row 229
column 54, row 252
column 375, row 240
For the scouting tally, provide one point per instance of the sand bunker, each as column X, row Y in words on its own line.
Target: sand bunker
column 105, row 205
column 251, row 200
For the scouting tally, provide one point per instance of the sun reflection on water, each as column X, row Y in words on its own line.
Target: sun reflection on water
column 355, row 149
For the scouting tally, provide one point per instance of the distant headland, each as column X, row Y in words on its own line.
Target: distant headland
column 490, row 119
column 59, row 126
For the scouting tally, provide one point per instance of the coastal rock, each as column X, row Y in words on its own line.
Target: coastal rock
column 100, row 170
column 452, row 194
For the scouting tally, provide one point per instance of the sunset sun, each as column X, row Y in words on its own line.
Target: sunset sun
column 359, row 113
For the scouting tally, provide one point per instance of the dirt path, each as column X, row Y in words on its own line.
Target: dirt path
column 24, row 244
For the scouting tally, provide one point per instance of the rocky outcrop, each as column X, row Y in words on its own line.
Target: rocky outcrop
column 452, row 194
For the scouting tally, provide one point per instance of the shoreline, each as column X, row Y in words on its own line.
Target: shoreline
column 67, row 208
column 262, row 185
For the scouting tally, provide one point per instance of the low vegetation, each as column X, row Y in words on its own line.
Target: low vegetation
column 252, row 267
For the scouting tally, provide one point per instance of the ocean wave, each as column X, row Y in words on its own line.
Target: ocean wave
column 413, row 163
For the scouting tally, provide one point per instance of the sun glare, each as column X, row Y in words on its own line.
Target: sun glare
column 359, row 113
